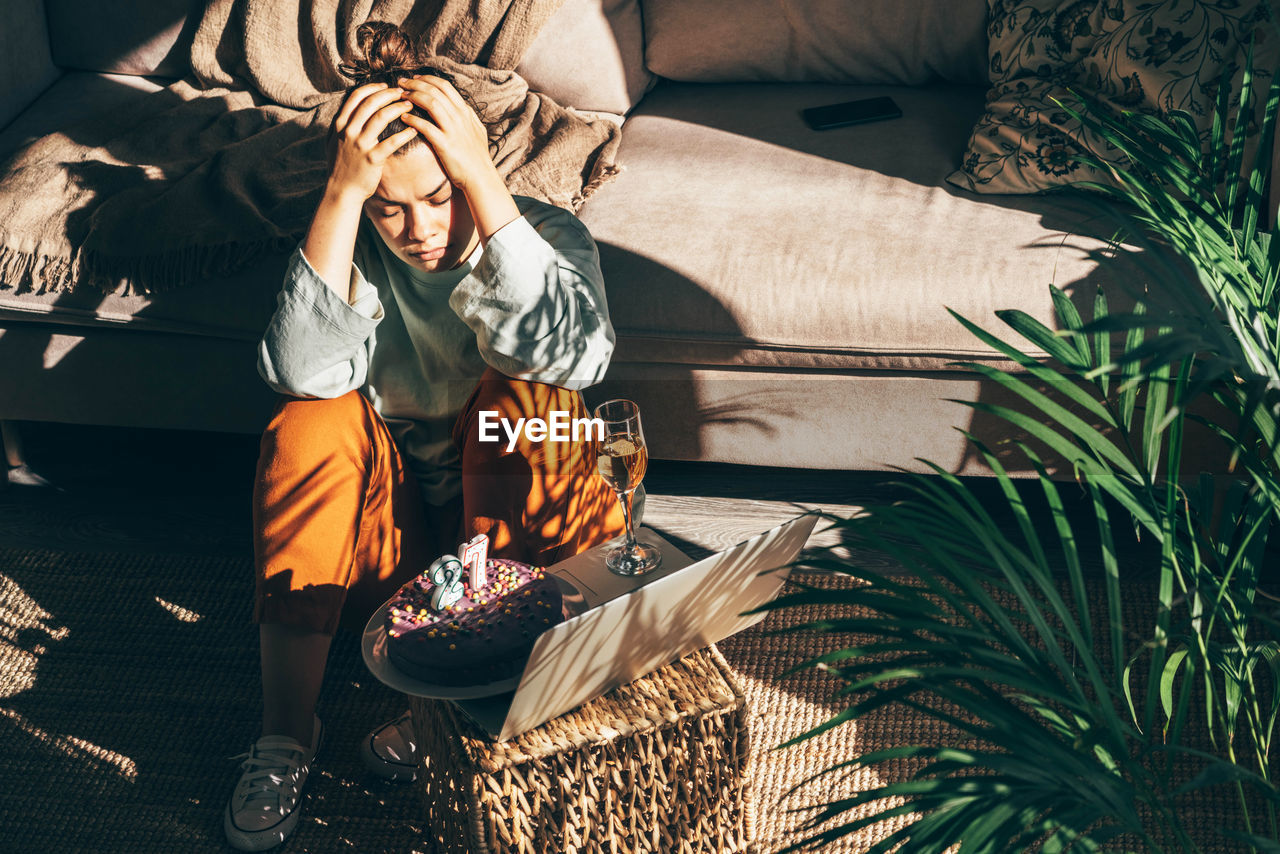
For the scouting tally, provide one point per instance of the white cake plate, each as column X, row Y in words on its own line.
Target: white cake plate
column 373, row 645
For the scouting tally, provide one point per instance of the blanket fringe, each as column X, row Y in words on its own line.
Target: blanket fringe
column 603, row 174
column 150, row 274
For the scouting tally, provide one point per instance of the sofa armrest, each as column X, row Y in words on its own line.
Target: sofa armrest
column 26, row 65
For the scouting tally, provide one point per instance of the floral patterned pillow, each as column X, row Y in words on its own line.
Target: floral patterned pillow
column 1150, row 55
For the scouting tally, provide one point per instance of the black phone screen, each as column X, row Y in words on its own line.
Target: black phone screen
column 851, row 113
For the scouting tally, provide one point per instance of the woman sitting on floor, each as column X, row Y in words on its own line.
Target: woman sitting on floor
column 422, row 294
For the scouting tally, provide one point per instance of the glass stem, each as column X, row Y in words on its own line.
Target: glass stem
column 625, row 498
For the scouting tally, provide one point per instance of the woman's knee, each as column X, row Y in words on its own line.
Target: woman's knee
column 310, row 429
column 512, row 399
column 495, row 423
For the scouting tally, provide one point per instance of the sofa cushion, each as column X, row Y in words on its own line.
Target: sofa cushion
column 26, row 68
column 590, row 56
column 736, row 235
column 1154, row 58
column 74, row 96
column 151, row 37
column 836, row 41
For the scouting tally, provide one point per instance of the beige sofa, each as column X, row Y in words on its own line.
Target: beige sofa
column 779, row 293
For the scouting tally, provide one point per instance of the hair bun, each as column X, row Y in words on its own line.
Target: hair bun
column 385, row 54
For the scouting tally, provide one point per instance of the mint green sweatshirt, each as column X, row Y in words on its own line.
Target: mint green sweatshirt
column 530, row 303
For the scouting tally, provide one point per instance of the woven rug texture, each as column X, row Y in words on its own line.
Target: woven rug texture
column 127, row 681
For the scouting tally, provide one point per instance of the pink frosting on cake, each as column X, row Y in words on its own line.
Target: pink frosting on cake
column 483, row 637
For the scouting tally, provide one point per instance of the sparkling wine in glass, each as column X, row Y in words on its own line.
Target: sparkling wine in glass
column 621, row 459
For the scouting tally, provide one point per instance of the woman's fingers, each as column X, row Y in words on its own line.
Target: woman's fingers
column 354, row 100
column 430, row 82
column 435, row 95
column 378, row 122
column 393, row 143
column 452, row 94
column 427, row 100
column 368, row 106
column 423, row 126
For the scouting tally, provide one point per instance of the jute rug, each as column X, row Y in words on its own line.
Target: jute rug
column 126, row 683
column 128, row 680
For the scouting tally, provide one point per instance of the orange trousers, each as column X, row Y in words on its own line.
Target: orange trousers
column 340, row 524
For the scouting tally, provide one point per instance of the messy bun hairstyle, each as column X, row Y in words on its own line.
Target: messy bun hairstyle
column 385, row 54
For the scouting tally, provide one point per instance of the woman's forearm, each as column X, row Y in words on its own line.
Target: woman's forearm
column 331, row 239
column 492, row 206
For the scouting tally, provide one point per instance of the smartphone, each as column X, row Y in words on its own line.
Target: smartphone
column 851, row 113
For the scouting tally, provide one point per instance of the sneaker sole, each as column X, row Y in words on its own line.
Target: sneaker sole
column 260, row 840
column 385, row 769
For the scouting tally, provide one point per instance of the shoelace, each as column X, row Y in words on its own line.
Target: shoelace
column 264, row 777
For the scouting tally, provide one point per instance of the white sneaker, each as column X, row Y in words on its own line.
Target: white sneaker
column 263, row 809
column 391, row 751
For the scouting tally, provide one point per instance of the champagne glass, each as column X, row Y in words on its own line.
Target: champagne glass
column 621, row 460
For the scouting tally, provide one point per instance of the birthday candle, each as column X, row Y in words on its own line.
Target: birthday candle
column 474, row 557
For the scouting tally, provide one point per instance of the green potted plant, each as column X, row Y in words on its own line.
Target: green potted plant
column 1091, row 709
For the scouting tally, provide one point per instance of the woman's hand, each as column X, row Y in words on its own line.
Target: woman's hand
column 357, row 163
column 454, row 132
column 353, row 177
column 461, row 144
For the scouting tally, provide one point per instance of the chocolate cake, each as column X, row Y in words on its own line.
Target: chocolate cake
column 479, row 638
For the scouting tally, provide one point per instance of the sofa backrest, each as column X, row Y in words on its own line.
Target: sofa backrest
column 151, row 37
column 26, row 68
column 904, row 42
column 589, row 55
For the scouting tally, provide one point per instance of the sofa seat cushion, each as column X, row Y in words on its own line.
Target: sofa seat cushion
column 236, row 307
column 737, row 236
column 75, row 96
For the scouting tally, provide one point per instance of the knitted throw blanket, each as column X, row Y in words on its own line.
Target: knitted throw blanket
column 204, row 177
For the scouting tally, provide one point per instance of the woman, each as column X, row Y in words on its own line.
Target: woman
column 423, row 294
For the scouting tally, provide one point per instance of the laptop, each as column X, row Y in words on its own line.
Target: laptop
column 624, row 628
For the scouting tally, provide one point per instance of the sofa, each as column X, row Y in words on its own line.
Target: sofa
column 779, row 294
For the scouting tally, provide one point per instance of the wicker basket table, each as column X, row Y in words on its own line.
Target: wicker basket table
column 659, row 765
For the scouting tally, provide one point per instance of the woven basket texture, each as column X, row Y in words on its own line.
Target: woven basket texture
column 658, row 765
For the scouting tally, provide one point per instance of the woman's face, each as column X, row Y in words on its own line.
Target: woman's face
column 422, row 217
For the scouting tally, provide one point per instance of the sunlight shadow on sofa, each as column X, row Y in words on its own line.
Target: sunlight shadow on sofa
column 181, row 357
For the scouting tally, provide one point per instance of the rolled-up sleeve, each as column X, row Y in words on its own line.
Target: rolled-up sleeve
column 318, row 345
column 536, row 301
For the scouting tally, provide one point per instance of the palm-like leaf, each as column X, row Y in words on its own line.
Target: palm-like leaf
column 1073, row 724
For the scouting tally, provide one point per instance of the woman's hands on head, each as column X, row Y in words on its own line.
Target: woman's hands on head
column 454, row 131
column 354, row 176
column 358, row 159
column 461, row 145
